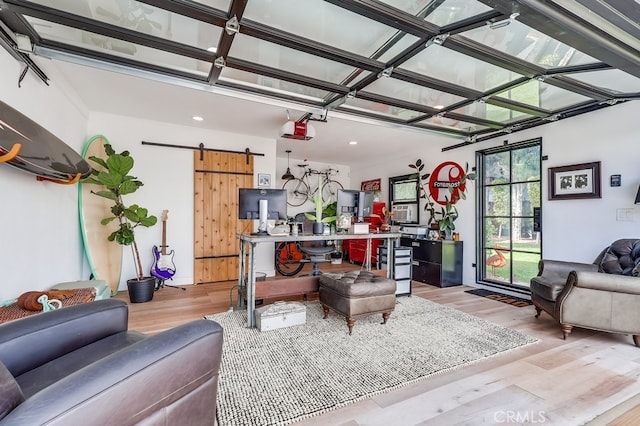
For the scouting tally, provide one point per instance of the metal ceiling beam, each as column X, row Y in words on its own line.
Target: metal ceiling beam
column 279, row 74
column 390, row 16
column 9, row 44
column 579, row 87
column 107, row 30
column 399, row 103
column 561, row 25
column 53, row 49
column 443, row 86
column 263, row 32
column 495, row 57
column 194, row 10
column 518, row 106
column 236, row 11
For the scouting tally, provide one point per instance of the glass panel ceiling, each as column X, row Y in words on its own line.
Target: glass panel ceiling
column 612, row 80
column 119, row 48
column 542, row 95
column 271, row 84
column 315, row 51
column 451, row 123
column 381, row 109
column 413, row 93
column 449, row 12
column 145, row 19
column 451, row 66
column 486, row 111
column 523, row 42
column 327, row 23
column 273, row 55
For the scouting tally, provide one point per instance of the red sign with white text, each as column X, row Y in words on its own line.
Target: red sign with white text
column 445, row 182
column 371, row 185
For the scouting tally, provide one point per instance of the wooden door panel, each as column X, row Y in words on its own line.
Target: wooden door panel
column 217, row 177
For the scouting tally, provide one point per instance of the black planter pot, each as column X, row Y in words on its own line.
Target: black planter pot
column 141, row 291
column 318, row 228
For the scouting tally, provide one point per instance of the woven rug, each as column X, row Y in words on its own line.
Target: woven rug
column 281, row 376
column 13, row 312
column 504, row 298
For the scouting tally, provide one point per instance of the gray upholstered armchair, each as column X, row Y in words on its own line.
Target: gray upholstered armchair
column 603, row 295
column 81, row 365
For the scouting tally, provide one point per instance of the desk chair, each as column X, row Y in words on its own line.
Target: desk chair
column 317, row 253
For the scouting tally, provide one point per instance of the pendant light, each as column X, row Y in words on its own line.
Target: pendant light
column 288, row 175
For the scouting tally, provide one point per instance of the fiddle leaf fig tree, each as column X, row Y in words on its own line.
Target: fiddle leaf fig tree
column 114, row 175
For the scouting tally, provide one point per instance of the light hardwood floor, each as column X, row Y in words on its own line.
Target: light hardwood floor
column 590, row 378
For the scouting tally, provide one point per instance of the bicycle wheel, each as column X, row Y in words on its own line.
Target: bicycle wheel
column 330, row 190
column 288, row 259
column 297, row 192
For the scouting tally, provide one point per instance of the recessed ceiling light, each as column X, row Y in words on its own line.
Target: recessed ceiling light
column 197, row 118
column 439, row 106
column 353, row 143
column 212, row 49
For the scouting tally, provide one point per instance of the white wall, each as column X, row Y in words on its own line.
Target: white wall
column 343, row 176
column 40, row 242
column 574, row 230
column 167, row 174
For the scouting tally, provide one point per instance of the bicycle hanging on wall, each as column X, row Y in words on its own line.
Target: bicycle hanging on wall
column 301, row 189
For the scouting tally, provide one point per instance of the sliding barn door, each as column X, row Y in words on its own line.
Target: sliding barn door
column 217, row 177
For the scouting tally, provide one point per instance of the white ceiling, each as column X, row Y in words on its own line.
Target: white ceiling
column 117, row 93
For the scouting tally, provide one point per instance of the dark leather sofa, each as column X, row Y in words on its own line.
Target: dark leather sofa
column 81, row 365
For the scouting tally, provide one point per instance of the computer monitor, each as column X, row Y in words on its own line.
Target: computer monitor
column 347, row 202
column 354, row 202
column 262, row 204
column 365, row 204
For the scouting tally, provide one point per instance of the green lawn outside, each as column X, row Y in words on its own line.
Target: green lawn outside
column 525, row 265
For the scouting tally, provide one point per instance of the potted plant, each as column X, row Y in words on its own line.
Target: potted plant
column 444, row 220
column 113, row 174
column 323, row 212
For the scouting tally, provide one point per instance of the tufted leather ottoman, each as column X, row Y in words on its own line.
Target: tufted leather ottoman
column 357, row 293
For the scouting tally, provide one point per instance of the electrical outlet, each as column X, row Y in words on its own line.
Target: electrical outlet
column 624, row 215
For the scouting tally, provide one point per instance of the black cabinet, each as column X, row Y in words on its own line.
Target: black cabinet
column 437, row 263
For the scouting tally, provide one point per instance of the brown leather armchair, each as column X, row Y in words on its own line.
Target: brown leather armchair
column 81, row 365
column 603, row 295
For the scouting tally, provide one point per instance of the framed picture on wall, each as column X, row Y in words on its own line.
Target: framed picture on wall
column 264, row 180
column 573, row 182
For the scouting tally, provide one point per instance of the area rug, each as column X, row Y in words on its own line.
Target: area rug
column 504, row 298
column 280, row 376
column 13, row 311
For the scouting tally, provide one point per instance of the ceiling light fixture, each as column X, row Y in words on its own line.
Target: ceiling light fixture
column 197, row 118
column 353, row 143
column 288, row 175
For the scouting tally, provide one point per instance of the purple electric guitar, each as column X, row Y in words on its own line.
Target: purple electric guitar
column 163, row 267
